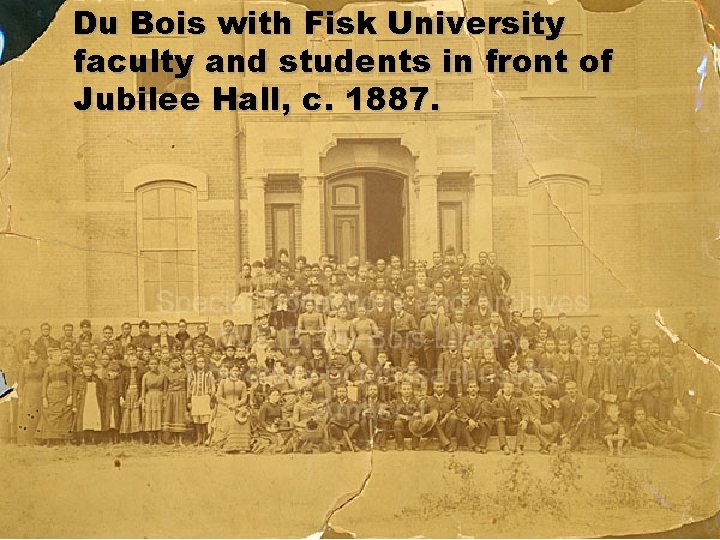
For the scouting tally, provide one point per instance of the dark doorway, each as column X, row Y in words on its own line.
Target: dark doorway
column 384, row 216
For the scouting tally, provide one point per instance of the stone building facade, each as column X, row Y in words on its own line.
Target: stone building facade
column 122, row 205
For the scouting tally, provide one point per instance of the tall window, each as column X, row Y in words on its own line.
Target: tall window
column 559, row 267
column 167, row 239
column 283, row 229
column 450, row 225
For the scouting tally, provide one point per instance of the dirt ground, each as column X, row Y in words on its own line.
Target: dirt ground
column 189, row 492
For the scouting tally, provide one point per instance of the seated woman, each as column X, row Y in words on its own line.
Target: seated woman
column 309, row 423
column 272, row 431
column 237, row 437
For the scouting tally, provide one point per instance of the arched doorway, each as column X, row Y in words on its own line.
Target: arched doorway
column 366, row 198
column 367, row 214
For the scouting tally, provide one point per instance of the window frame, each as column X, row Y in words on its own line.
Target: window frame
column 141, row 249
column 458, row 207
column 533, row 90
column 552, row 308
column 290, row 208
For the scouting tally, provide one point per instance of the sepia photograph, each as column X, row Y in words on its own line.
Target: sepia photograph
column 444, row 269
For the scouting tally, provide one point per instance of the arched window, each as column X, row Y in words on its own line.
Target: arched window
column 167, row 247
column 558, row 232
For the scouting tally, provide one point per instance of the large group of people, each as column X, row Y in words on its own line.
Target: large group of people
column 345, row 357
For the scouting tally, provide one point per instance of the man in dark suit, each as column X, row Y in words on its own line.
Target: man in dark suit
column 343, row 420
column 507, row 418
column 573, row 417
column 459, row 329
column 446, row 424
column 164, row 339
column 532, row 330
column 45, row 342
column 474, row 419
column 375, row 419
column 500, row 339
column 434, row 331
column 538, row 417
column 498, row 280
column 406, row 408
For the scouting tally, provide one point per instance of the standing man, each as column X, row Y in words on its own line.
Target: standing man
column 499, row 284
column 402, row 329
column 434, row 331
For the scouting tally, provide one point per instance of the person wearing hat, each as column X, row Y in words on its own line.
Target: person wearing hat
column 85, row 332
column 407, row 408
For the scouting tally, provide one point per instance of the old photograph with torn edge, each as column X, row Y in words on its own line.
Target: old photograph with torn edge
column 473, row 300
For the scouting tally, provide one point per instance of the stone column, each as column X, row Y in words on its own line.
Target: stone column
column 311, row 213
column 255, row 186
column 481, row 218
column 426, row 216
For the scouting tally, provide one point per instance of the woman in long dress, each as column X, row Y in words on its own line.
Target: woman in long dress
column 231, row 395
column 88, row 394
column 56, row 422
column 130, row 385
column 339, row 337
column 309, row 423
column 364, row 331
column 175, row 405
column 154, row 387
column 310, row 328
column 29, row 391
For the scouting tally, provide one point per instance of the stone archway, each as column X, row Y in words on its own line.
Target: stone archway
column 366, row 198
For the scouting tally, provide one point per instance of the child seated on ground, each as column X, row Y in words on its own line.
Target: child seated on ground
column 614, row 430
